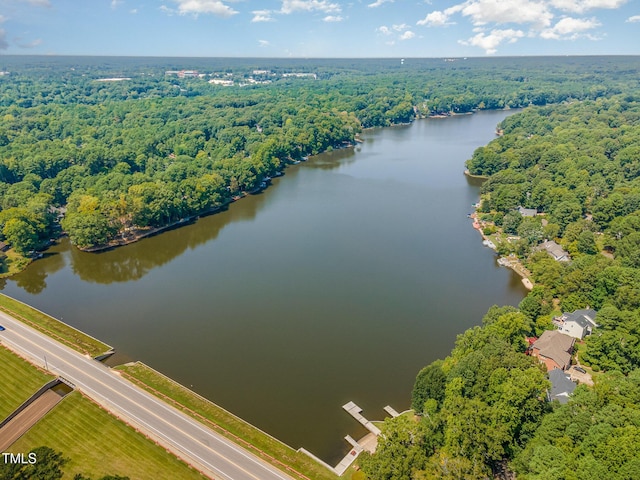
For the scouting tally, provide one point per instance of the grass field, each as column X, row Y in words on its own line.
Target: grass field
column 52, row 327
column 98, row 444
column 18, row 381
column 227, row 424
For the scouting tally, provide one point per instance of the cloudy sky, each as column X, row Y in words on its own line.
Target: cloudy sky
column 320, row 28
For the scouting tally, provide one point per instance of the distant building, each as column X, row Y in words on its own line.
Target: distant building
column 553, row 349
column 577, row 324
column 527, row 212
column 183, row 73
column 561, row 386
column 114, row 79
column 220, row 81
column 300, row 75
column 555, row 250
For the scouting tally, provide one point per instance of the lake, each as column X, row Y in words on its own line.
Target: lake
column 339, row 282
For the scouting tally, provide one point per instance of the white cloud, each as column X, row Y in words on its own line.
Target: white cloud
column 581, row 6
column 333, row 18
column 569, row 28
column 543, row 18
column 385, row 30
column 262, row 16
column 435, row 19
column 507, row 11
column 292, row 6
column 407, row 35
column 264, row 43
column 400, row 27
column 115, row 3
column 133, row 11
column 196, row 7
column 377, row 3
column 489, row 43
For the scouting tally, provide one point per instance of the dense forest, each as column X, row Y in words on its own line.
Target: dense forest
column 104, row 160
column 482, row 411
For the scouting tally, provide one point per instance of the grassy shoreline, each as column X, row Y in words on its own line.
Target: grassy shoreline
column 296, row 464
column 54, row 328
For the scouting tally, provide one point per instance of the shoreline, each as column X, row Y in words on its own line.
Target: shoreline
column 513, row 263
column 137, row 234
column 471, row 175
column 150, row 232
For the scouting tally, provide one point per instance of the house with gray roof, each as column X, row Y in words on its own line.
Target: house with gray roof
column 561, row 386
column 555, row 250
column 577, row 324
column 527, row 212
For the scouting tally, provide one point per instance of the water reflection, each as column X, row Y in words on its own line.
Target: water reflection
column 134, row 261
column 35, row 281
column 334, row 159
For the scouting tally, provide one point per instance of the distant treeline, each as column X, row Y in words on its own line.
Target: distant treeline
column 102, row 158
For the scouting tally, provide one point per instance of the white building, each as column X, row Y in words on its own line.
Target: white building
column 577, row 324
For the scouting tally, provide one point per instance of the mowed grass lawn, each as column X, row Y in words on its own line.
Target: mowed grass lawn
column 98, row 444
column 18, row 381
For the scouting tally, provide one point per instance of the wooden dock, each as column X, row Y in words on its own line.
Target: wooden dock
column 354, row 410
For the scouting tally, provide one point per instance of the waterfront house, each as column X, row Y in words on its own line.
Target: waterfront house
column 527, row 212
column 561, row 386
column 555, row 250
column 577, row 324
column 554, row 349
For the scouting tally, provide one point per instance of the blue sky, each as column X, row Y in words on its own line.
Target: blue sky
column 320, row 28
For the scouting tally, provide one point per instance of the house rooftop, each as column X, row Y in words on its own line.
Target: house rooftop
column 556, row 346
column 527, row 212
column 561, row 386
column 555, row 250
column 585, row 317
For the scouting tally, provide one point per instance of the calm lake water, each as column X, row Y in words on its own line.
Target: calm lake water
column 337, row 283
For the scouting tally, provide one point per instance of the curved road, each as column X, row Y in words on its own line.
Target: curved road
column 188, row 439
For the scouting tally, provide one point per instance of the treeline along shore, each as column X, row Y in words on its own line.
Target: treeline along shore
column 107, row 161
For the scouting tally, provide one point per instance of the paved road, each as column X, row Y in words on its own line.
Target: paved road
column 199, row 446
